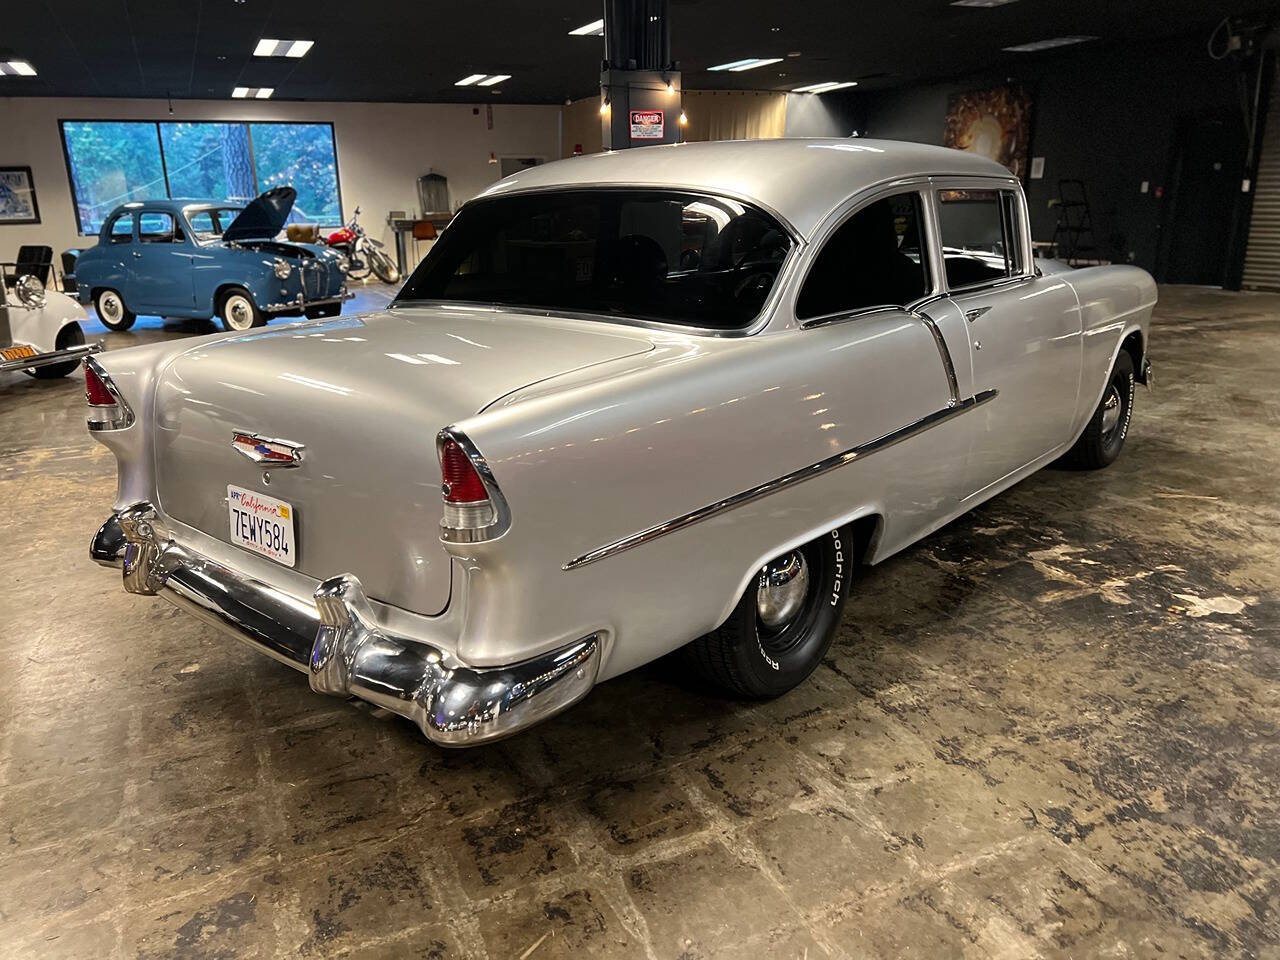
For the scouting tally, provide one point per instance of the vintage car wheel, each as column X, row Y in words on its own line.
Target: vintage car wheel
column 237, row 311
column 783, row 624
column 112, row 311
column 69, row 336
column 1104, row 436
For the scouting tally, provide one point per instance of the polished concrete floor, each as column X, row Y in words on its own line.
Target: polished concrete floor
column 1052, row 729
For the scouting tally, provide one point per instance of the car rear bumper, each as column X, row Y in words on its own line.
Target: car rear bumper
column 78, row 352
column 337, row 641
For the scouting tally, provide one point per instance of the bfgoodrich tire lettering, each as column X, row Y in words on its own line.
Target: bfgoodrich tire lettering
column 1104, row 435
column 784, row 622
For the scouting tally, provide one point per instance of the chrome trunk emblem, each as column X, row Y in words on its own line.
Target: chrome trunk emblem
column 265, row 450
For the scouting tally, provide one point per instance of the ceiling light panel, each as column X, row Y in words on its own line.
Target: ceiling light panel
column 283, row 48
column 253, row 93
column 496, row 78
column 593, row 29
column 1048, row 44
column 16, row 68
column 826, row 87
column 468, row 81
column 737, row 66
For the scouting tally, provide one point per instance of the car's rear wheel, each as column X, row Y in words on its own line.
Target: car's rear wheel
column 69, row 336
column 111, row 310
column 1104, row 436
column 237, row 311
column 784, row 622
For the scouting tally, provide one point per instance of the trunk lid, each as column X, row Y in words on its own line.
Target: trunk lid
column 364, row 397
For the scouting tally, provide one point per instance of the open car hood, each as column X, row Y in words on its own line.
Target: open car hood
column 264, row 217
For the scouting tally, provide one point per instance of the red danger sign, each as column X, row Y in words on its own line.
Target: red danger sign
column 646, row 124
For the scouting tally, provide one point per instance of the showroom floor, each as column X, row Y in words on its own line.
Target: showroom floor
column 1050, row 729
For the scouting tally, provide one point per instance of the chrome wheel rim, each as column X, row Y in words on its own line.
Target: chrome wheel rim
column 781, row 590
column 1112, row 407
column 238, row 312
column 110, row 308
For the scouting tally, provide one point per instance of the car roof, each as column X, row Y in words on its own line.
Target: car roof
column 800, row 180
column 177, row 204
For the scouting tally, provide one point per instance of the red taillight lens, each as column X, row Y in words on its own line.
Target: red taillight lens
column 461, row 483
column 95, row 391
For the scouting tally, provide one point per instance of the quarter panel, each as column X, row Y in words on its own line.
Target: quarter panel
column 707, row 419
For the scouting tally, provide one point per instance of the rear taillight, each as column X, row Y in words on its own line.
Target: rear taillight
column 107, row 410
column 473, row 508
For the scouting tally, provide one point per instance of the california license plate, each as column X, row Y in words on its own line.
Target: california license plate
column 17, row 353
column 262, row 524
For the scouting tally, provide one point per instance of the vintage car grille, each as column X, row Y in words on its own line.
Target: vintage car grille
column 315, row 279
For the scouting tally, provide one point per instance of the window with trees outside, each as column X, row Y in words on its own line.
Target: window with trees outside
column 111, row 162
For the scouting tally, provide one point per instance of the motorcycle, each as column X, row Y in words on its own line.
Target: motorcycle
column 363, row 253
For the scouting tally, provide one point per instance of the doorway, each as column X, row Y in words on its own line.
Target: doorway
column 1197, row 220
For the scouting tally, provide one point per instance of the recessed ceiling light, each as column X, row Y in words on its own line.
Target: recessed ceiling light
column 496, row 78
column 980, row 3
column 16, row 68
column 468, row 81
column 283, row 48
column 826, row 87
column 593, row 29
column 1047, row 44
column 737, row 66
column 253, row 93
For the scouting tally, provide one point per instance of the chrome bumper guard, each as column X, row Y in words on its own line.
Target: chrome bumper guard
column 341, row 647
column 78, row 352
column 300, row 302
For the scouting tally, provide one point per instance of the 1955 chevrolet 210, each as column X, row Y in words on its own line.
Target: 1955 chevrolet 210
column 630, row 402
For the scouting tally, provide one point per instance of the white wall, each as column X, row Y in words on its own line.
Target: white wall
column 382, row 150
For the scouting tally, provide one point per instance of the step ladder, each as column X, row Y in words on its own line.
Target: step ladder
column 1073, row 234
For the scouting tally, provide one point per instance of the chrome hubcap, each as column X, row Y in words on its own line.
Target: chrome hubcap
column 110, row 307
column 239, row 313
column 781, row 588
column 1111, row 408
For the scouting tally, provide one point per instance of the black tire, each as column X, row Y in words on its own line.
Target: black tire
column 751, row 659
column 110, row 308
column 1104, row 436
column 383, row 268
column 237, row 310
column 69, row 336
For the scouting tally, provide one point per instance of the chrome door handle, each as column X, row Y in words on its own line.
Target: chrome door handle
column 976, row 312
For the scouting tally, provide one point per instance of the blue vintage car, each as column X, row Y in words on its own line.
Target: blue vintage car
column 200, row 258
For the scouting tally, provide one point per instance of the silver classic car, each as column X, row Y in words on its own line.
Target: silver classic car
column 631, row 402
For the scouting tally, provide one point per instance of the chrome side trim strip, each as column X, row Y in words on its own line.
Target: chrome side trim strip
column 944, row 354
column 781, row 483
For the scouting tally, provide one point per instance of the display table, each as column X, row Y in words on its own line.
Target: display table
column 403, row 228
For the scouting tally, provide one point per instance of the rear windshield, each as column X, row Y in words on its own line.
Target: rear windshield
column 670, row 256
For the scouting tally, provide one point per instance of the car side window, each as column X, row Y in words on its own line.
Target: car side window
column 202, row 223
column 120, row 229
column 981, row 239
column 875, row 258
column 156, row 227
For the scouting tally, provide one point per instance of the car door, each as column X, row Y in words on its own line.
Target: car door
column 1024, row 330
column 112, row 260
column 160, row 265
column 870, row 301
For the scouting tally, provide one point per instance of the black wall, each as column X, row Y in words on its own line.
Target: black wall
column 1112, row 117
